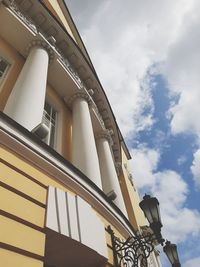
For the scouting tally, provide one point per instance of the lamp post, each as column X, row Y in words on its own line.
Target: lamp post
column 135, row 250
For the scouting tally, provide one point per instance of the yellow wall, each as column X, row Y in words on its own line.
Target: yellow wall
column 54, row 7
column 23, row 194
column 22, row 214
column 21, row 207
column 17, row 62
column 21, row 236
column 28, row 169
column 25, row 186
column 13, row 259
column 131, row 196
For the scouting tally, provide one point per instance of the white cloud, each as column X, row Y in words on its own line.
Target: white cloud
column 124, row 41
column 192, row 262
column 171, row 190
column 181, row 69
column 144, row 164
column 181, row 160
column 195, row 168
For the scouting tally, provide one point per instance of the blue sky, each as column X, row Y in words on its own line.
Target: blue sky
column 176, row 154
column 147, row 56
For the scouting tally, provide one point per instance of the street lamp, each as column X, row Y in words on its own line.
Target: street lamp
column 150, row 207
column 172, row 254
column 135, row 250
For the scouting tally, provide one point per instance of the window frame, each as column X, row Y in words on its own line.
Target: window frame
column 58, row 125
column 7, row 70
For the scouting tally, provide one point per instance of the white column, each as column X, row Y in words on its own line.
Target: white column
column 109, row 176
column 26, row 102
column 84, row 153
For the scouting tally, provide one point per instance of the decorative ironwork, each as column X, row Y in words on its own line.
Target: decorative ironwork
column 134, row 251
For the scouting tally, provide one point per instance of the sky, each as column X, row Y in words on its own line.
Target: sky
column 147, row 56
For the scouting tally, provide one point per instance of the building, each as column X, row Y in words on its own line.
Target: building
column 64, row 175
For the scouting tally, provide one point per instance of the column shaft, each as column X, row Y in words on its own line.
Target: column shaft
column 109, row 176
column 84, row 153
column 26, row 102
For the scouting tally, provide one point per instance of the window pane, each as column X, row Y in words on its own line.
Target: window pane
column 3, row 66
column 47, row 108
column 49, row 119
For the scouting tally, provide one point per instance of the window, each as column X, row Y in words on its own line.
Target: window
column 4, row 66
column 49, row 119
column 47, row 129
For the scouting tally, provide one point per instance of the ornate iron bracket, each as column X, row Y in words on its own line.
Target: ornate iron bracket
column 132, row 252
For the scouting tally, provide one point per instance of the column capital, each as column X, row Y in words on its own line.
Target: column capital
column 106, row 134
column 80, row 94
column 43, row 44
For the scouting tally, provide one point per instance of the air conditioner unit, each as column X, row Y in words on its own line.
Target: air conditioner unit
column 42, row 130
column 111, row 195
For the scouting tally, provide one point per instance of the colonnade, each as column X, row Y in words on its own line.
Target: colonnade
column 91, row 154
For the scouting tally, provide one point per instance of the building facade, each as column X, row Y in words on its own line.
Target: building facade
column 64, row 174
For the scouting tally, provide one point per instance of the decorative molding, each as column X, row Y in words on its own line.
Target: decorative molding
column 91, row 91
column 81, row 94
column 69, row 67
column 118, row 167
column 105, row 134
column 27, row 20
column 96, row 110
column 51, row 39
column 43, row 44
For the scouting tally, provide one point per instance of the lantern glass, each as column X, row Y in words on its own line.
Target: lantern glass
column 171, row 252
column 150, row 207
